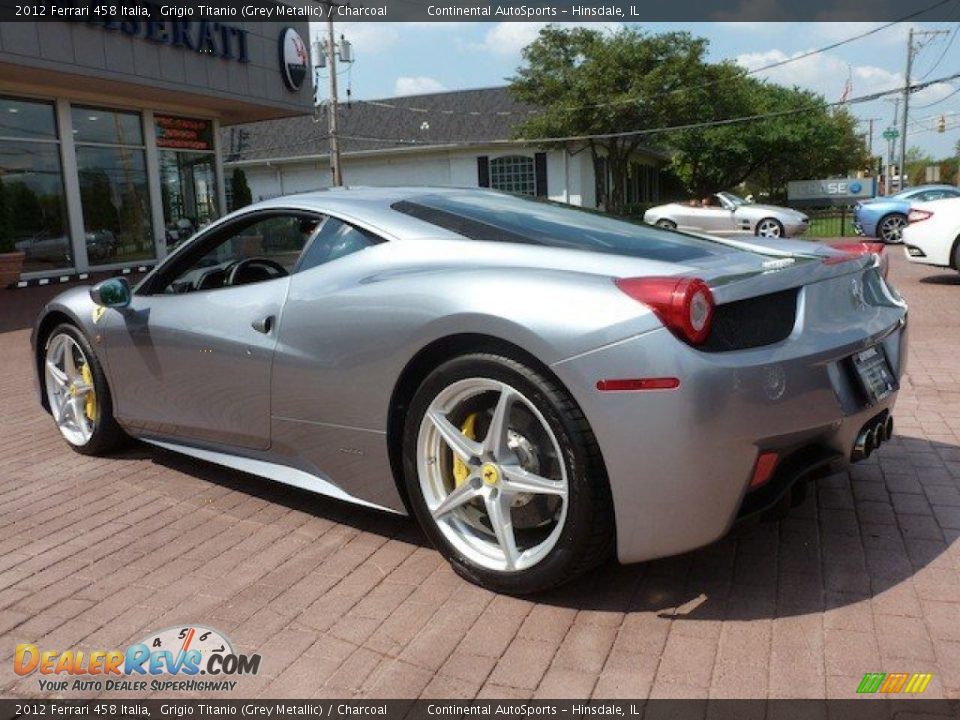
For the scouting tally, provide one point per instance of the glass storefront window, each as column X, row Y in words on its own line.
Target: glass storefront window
column 188, row 185
column 114, row 194
column 33, row 215
column 188, row 178
column 106, row 127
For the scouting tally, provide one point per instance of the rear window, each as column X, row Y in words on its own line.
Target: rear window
column 508, row 218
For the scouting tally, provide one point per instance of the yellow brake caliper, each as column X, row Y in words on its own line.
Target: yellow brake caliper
column 460, row 469
column 90, row 409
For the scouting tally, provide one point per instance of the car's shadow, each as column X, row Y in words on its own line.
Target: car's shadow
column 858, row 535
column 952, row 278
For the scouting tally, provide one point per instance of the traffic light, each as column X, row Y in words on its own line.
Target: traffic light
column 942, row 124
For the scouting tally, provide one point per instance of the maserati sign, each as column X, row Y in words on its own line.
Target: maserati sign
column 294, row 59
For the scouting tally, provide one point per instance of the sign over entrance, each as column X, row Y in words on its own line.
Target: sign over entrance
column 177, row 133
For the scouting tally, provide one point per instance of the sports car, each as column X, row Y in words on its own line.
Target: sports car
column 885, row 217
column 932, row 236
column 727, row 214
column 539, row 386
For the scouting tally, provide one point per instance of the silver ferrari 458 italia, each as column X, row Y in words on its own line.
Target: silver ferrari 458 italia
column 540, row 386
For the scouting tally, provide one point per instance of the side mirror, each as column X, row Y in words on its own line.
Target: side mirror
column 113, row 293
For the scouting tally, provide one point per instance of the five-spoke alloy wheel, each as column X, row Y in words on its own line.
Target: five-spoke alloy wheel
column 770, row 227
column 77, row 393
column 504, row 475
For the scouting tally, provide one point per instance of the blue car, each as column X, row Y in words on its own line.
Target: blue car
column 885, row 217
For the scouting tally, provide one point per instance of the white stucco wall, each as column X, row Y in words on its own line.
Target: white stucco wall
column 454, row 168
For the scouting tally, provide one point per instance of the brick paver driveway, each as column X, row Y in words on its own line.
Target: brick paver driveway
column 340, row 601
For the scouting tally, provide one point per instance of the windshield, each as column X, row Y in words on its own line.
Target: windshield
column 904, row 194
column 735, row 200
column 499, row 217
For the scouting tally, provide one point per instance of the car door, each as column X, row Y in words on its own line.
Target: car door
column 713, row 217
column 192, row 353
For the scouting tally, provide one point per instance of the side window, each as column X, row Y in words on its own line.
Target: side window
column 263, row 249
column 336, row 239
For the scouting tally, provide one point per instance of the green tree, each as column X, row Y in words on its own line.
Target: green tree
column 586, row 82
column 805, row 139
column 240, row 190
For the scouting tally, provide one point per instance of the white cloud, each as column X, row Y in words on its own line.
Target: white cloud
column 417, row 85
column 827, row 74
column 827, row 33
column 823, row 72
column 368, row 38
column 509, row 38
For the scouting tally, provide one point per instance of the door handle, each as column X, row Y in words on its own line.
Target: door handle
column 263, row 325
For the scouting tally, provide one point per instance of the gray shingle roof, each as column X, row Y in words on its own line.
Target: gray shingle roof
column 436, row 119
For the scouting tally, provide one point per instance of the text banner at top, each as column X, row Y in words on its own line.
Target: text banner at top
column 126, row 14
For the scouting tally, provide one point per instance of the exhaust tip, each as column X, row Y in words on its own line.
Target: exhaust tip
column 888, row 428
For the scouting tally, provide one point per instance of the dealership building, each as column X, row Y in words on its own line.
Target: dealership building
column 110, row 132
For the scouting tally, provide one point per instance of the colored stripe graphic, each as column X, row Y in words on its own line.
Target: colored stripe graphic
column 893, row 683
column 870, row 683
column 918, row 683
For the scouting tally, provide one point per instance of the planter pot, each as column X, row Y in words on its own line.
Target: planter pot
column 10, row 266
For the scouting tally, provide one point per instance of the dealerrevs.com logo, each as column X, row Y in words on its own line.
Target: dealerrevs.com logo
column 168, row 660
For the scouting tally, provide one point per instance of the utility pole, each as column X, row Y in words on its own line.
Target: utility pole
column 906, row 96
column 335, row 169
column 890, row 135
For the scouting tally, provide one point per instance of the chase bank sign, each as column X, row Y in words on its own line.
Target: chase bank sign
column 839, row 191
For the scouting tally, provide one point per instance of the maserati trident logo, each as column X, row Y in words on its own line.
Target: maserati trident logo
column 293, row 58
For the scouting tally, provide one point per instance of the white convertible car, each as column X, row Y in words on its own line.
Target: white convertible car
column 727, row 214
column 932, row 236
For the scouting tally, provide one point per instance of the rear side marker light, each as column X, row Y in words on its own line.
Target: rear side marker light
column 916, row 216
column 763, row 470
column 630, row 384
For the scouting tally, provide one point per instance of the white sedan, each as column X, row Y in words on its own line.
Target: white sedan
column 932, row 236
column 727, row 214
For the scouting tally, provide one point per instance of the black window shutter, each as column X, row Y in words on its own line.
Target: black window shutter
column 483, row 171
column 540, row 173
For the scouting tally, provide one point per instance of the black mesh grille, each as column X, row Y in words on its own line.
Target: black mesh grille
column 753, row 322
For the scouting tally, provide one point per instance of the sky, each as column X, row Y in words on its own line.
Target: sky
column 407, row 58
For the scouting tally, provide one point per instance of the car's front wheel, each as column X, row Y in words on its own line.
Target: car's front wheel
column 77, row 392
column 505, row 476
column 667, row 224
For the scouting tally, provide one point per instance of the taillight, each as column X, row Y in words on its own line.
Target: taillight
column 684, row 305
column 916, row 216
column 855, row 250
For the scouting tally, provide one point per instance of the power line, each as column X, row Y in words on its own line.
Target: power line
column 937, row 102
column 674, row 91
column 633, row 133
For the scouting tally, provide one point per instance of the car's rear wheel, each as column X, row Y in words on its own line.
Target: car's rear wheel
column 770, row 227
column 667, row 224
column 890, row 228
column 77, row 392
column 505, row 476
